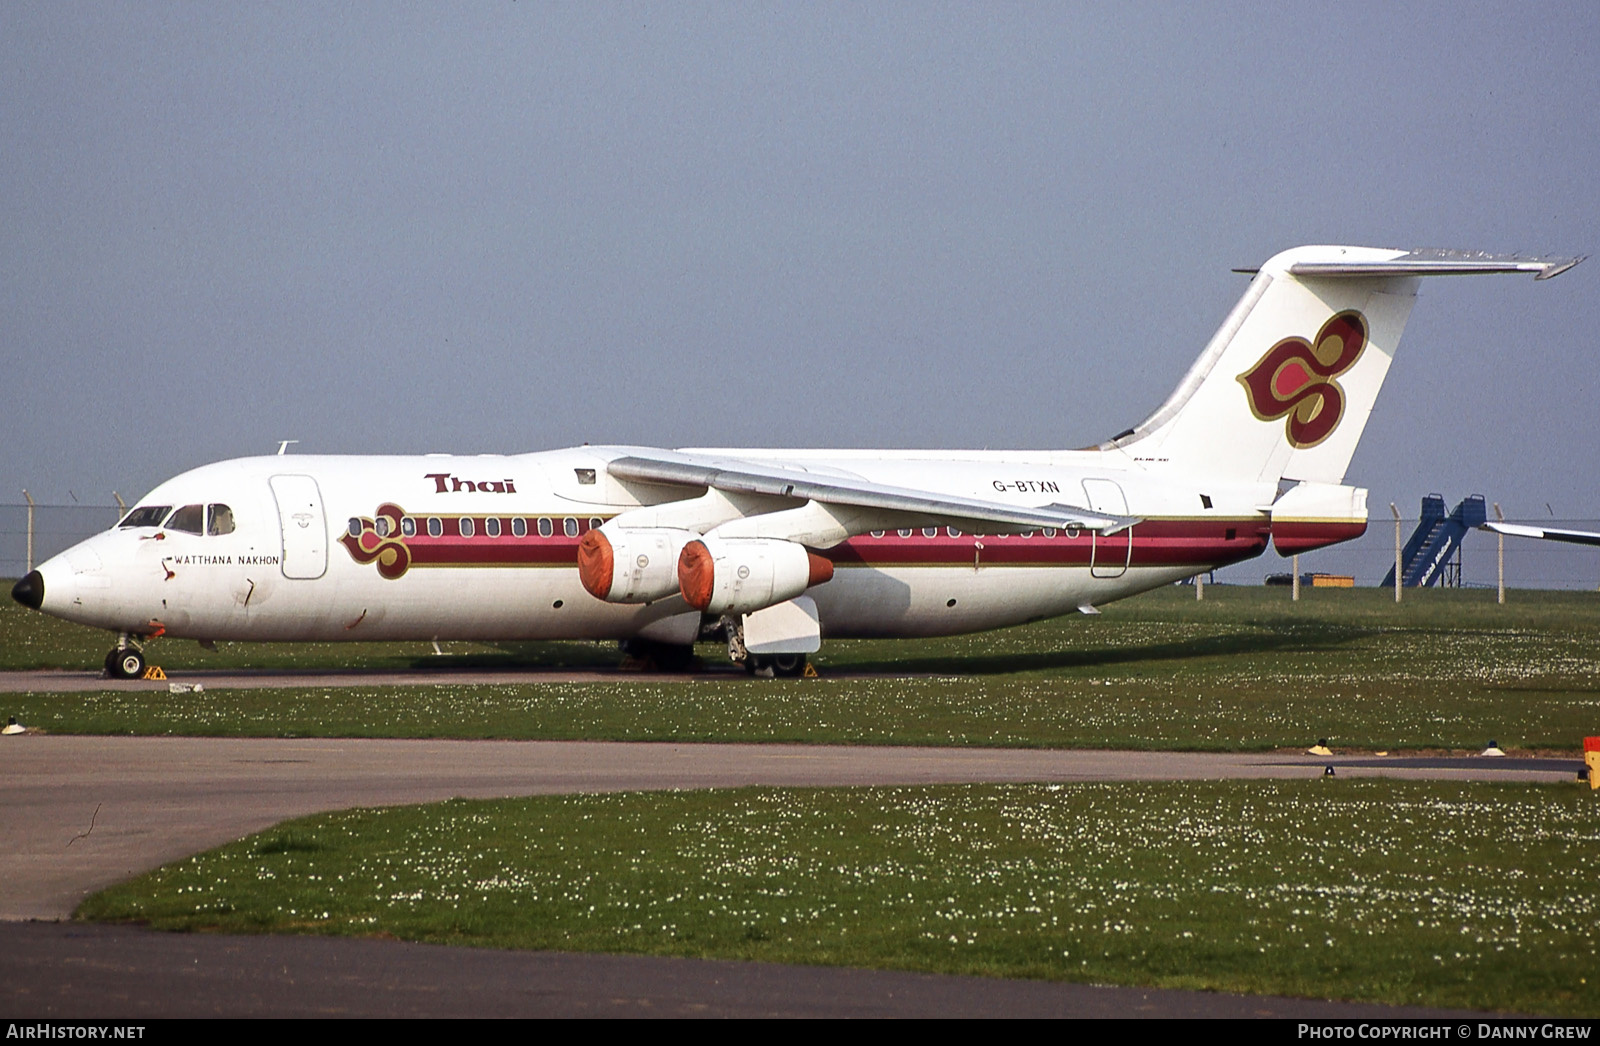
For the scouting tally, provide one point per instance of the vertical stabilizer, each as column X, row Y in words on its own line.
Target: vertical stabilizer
column 1285, row 387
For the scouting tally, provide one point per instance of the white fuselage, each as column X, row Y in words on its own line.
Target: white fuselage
column 484, row 547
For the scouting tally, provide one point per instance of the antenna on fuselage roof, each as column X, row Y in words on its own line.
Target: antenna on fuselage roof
column 283, row 446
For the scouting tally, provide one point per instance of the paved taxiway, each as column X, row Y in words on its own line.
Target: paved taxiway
column 115, row 972
column 81, row 813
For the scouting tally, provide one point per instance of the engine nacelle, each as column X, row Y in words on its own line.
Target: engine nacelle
column 631, row 565
column 742, row 575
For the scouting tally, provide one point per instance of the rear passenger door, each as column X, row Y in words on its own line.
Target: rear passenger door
column 1111, row 553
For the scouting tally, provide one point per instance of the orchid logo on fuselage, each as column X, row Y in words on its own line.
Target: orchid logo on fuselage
column 380, row 540
column 1297, row 379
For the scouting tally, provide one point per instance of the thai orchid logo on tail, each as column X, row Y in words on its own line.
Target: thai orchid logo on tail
column 1298, row 379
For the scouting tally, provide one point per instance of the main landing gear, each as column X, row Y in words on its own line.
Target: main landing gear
column 125, row 661
column 781, row 666
column 762, row 666
column 654, row 655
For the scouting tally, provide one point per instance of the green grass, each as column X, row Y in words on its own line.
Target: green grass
column 1246, row 669
column 1429, row 893
column 1441, row 894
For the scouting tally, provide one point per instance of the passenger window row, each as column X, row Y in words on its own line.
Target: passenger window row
column 468, row 526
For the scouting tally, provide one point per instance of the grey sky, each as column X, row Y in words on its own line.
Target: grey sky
column 515, row 226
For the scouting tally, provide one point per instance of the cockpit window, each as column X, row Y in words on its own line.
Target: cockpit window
column 145, row 516
column 190, row 519
column 219, row 520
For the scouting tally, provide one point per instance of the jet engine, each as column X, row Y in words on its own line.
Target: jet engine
column 743, row 575
column 631, row 565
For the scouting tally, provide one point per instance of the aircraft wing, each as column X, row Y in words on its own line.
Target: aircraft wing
column 752, row 477
column 1576, row 537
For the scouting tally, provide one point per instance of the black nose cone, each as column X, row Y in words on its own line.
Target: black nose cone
column 30, row 590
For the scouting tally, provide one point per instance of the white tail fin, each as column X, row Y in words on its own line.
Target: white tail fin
column 1285, row 387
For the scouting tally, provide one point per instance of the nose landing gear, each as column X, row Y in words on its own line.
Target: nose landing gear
column 125, row 661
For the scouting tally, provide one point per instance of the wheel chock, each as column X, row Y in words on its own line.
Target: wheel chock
column 153, row 672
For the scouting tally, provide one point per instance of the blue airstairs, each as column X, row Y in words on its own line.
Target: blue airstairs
column 1432, row 555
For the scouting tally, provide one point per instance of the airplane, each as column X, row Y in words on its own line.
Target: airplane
column 769, row 551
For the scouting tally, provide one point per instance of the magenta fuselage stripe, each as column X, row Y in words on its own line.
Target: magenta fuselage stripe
column 1156, row 543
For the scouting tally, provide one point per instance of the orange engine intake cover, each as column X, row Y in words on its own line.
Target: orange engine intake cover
column 696, row 574
column 595, row 564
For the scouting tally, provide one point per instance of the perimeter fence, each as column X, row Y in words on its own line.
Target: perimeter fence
column 1529, row 563
column 55, row 528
